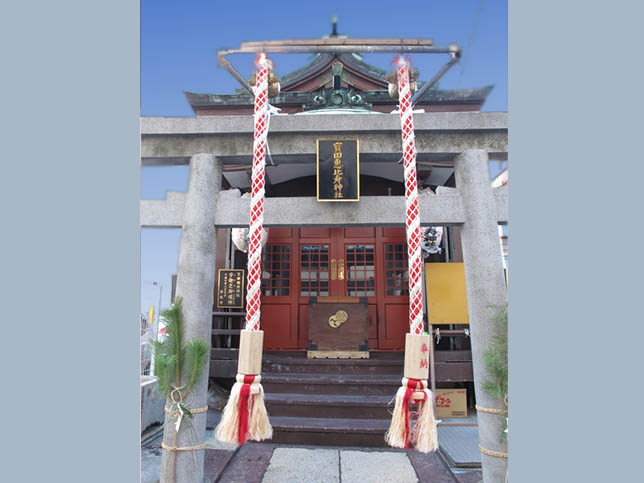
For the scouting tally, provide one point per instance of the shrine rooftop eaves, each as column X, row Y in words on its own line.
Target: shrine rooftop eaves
column 338, row 78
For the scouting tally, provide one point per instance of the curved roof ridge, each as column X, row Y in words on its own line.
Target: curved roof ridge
column 324, row 59
column 320, row 61
column 366, row 69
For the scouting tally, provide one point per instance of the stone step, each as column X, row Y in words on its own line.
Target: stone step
column 451, row 366
column 329, row 406
column 329, row 431
column 333, row 366
column 350, row 384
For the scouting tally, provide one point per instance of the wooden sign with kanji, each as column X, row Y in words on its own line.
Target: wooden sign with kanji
column 230, row 289
column 417, row 356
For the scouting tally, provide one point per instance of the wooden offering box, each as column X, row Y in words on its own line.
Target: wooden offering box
column 338, row 327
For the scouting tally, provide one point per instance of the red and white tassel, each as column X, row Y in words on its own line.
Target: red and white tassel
column 244, row 416
column 423, row 435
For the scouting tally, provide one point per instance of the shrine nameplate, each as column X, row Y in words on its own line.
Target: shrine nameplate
column 338, row 327
column 338, row 170
column 230, row 288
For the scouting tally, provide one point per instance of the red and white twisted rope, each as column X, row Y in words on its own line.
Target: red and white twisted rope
column 257, row 195
column 411, row 201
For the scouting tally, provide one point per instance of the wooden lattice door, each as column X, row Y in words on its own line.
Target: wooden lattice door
column 334, row 262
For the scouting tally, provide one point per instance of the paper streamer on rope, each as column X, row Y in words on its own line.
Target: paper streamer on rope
column 411, row 200
column 257, row 195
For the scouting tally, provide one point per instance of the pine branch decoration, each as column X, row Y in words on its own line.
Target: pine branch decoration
column 495, row 359
column 172, row 355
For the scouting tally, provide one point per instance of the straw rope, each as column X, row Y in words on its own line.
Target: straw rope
column 184, row 448
column 192, row 411
column 490, row 410
column 492, row 453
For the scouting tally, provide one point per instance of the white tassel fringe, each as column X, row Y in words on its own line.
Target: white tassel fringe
column 228, row 427
column 395, row 435
column 425, row 434
column 259, row 427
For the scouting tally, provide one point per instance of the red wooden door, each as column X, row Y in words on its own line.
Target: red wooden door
column 316, row 249
column 357, row 251
column 319, row 262
column 337, row 262
column 279, row 290
column 393, row 297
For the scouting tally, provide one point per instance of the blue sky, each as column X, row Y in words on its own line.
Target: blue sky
column 179, row 41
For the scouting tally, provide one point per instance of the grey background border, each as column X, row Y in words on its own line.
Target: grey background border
column 70, row 241
column 70, row 282
column 575, row 265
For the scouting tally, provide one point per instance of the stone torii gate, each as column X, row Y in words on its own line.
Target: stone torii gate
column 465, row 140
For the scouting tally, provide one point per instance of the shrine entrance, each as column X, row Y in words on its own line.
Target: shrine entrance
column 365, row 262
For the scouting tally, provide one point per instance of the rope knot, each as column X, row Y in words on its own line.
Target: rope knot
column 178, row 409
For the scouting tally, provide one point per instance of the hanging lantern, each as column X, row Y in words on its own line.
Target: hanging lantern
column 273, row 85
column 392, row 84
column 241, row 236
column 431, row 240
column 413, row 76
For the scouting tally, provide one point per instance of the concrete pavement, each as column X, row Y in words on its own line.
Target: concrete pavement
column 272, row 463
column 275, row 463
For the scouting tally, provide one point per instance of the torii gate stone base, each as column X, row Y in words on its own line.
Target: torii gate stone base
column 474, row 205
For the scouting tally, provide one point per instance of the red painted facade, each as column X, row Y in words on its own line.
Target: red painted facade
column 305, row 262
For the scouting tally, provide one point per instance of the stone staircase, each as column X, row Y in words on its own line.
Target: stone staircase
column 339, row 402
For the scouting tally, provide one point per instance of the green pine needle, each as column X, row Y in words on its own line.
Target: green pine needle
column 197, row 352
column 174, row 335
column 172, row 355
column 495, row 359
column 161, row 368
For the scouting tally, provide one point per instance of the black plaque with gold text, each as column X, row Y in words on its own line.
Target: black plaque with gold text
column 230, row 289
column 338, row 170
